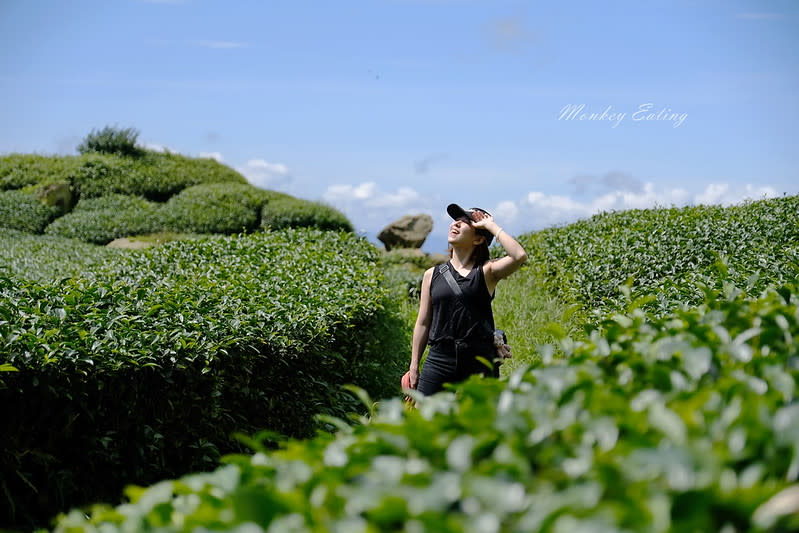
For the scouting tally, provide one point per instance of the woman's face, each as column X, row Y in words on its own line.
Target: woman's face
column 461, row 231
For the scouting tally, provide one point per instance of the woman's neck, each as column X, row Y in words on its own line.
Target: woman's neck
column 462, row 257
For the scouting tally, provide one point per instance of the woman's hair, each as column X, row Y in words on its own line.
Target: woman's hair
column 480, row 253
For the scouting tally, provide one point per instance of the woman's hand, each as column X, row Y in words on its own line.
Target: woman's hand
column 414, row 377
column 503, row 351
column 481, row 220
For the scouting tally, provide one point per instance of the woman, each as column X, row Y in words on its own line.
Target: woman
column 455, row 316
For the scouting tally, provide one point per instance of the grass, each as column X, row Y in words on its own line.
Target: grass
column 531, row 317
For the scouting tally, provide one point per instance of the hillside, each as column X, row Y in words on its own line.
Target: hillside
column 146, row 363
column 121, row 366
column 658, row 260
column 99, row 197
column 653, row 386
column 664, row 400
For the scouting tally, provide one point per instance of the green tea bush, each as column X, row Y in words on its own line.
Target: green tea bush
column 22, row 211
column 412, row 257
column 153, row 175
column 687, row 422
column 406, row 280
column 201, row 195
column 166, row 174
column 111, row 140
column 101, row 220
column 105, row 174
column 662, row 253
column 297, row 213
column 20, row 170
column 404, row 270
column 48, row 258
column 144, row 369
column 156, row 176
column 216, row 208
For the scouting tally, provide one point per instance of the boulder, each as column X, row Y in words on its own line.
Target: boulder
column 57, row 194
column 409, row 231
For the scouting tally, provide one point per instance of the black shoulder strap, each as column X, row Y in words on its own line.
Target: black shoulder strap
column 444, row 270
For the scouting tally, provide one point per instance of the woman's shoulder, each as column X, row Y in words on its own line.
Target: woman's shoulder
column 488, row 264
column 427, row 277
column 438, row 267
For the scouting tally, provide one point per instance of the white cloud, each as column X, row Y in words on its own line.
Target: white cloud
column 506, row 211
column 372, row 208
column 539, row 210
column 369, row 196
column 265, row 174
column 721, row 193
column 713, row 193
column 212, row 155
column 157, row 147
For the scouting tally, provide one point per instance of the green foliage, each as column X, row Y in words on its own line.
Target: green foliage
column 216, row 208
column 22, row 211
column 144, row 367
column 669, row 406
column 21, row 170
column 47, row 258
column 221, row 208
column 111, row 140
column 531, row 315
column 417, row 258
column 101, row 220
column 201, row 195
column 296, row 213
column 687, row 422
column 162, row 237
column 661, row 254
column 156, row 176
column 153, row 175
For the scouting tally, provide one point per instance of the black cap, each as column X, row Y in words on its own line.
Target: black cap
column 456, row 212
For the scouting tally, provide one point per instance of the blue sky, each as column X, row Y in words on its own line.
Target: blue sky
column 540, row 112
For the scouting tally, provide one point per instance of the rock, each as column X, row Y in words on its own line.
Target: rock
column 58, row 194
column 409, row 231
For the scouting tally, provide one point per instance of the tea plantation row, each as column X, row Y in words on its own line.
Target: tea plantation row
column 661, row 254
column 213, row 208
column 47, row 258
column 123, row 196
column 348, row 486
column 144, row 366
column 154, row 175
column 687, row 422
column 677, row 417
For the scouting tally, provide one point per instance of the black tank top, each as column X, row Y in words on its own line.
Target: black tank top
column 454, row 321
